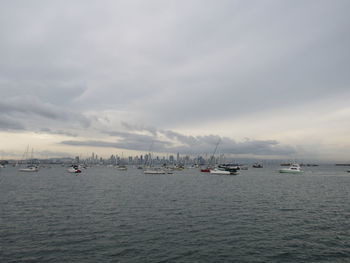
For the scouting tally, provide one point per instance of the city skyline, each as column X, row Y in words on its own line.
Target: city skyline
column 268, row 79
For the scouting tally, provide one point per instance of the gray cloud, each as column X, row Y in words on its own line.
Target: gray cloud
column 58, row 132
column 23, row 108
column 9, row 124
column 167, row 141
column 164, row 59
column 133, row 127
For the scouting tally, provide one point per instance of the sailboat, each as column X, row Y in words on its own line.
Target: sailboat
column 149, row 164
column 221, row 169
column 31, row 167
column 208, row 169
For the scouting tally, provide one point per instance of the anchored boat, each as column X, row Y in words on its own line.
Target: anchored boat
column 293, row 169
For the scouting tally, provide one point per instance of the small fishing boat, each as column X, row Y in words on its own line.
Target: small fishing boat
column 293, row 169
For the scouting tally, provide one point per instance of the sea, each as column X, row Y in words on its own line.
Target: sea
column 108, row 215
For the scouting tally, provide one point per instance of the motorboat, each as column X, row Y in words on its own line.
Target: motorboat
column 74, row 169
column 230, row 166
column 293, row 169
column 233, row 169
column 257, row 165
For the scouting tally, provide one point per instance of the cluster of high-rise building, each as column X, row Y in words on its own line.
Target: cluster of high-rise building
column 145, row 159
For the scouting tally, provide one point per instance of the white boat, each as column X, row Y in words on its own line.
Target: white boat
column 74, row 169
column 154, row 171
column 122, row 168
column 29, row 169
column 224, row 172
column 293, row 169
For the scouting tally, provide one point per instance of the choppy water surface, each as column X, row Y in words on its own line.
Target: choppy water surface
column 106, row 215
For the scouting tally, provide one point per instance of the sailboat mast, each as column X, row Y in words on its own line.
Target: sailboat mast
column 216, row 147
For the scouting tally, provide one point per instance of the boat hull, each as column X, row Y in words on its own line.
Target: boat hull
column 154, row 172
column 223, row 172
column 28, row 170
column 286, row 171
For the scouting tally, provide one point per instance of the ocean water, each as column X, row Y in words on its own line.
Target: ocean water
column 107, row 215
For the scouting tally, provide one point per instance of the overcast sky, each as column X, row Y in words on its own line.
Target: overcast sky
column 268, row 78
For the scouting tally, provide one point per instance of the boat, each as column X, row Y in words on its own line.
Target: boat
column 231, row 166
column 257, row 165
column 293, row 169
column 74, row 169
column 224, row 172
column 30, row 168
column 154, row 171
column 122, row 168
column 209, row 167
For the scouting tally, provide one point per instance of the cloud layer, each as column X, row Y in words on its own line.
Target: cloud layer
column 80, row 68
column 167, row 141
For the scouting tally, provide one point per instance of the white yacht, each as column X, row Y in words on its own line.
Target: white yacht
column 293, row 169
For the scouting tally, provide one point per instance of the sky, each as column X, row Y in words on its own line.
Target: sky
column 268, row 79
